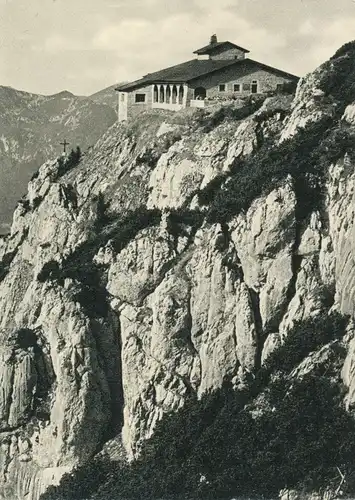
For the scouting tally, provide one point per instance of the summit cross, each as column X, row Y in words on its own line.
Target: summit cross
column 65, row 144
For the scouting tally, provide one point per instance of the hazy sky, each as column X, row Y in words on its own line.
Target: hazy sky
column 85, row 45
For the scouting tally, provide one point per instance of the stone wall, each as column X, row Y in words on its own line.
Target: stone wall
column 122, row 106
column 242, row 74
column 137, row 107
column 232, row 53
column 267, row 81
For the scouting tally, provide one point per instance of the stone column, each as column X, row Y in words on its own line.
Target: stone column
column 184, row 99
column 171, row 93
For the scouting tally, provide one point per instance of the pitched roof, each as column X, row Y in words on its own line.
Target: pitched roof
column 179, row 73
column 212, row 46
column 190, row 70
column 276, row 71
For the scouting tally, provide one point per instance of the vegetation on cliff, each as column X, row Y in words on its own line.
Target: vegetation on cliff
column 338, row 81
column 278, row 431
column 285, row 425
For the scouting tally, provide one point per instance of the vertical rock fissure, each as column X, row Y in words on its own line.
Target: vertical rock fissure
column 258, row 323
column 296, row 263
column 296, row 260
column 116, row 386
column 259, row 135
column 190, row 342
column 45, row 380
column 232, row 262
column 109, row 354
column 188, row 323
column 10, row 396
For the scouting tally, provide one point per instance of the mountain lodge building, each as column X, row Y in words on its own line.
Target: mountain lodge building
column 220, row 70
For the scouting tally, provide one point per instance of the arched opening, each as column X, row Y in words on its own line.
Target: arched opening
column 155, row 94
column 200, row 93
column 181, row 94
column 161, row 94
column 175, row 94
column 168, row 94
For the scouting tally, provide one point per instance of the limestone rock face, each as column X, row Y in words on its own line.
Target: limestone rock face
column 309, row 105
column 264, row 239
column 110, row 318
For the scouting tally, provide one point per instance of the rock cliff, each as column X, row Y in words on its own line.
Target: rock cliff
column 123, row 292
column 31, row 130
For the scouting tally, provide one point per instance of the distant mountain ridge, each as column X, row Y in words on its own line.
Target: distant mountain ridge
column 107, row 96
column 31, row 129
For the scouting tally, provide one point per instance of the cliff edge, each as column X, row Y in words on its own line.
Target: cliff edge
column 178, row 255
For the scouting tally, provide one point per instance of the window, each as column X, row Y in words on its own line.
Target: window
column 254, row 87
column 222, row 87
column 140, row 97
column 236, row 87
column 246, row 87
column 279, row 87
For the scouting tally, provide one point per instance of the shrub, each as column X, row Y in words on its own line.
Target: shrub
column 92, row 296
column 159, row 146
column 208, row 193
column 127, row 228
column 50, row 271
column 306, row 157
column 346, row 49
column 71, row 196
column 150, row 158
column 36, row 202
column 82, row 482
column 267, row 114
column 67, row 164
column 299, row 445
column 25, row 203
column 5, row 264
column 34, row 175
column 305, row 337
column 171, row 138
column 338, row 79
column 230, row 113
column 79, row 265
column 297, row 440
column 180, row 218
column 73, row 158
column 102, row 216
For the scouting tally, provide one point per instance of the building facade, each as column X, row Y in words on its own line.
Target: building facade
column 220, row 70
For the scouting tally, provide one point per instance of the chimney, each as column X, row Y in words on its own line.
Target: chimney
column 213, row 39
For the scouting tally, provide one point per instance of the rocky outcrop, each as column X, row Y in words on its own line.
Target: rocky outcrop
column 31, row 130
column 119, row 299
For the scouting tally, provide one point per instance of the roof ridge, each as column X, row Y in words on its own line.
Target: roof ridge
column 224, row 63
column 191, row 70
column 150, row 75
column 272, row 68
column 169, row 67
column 211, row 46
column 208, row 66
